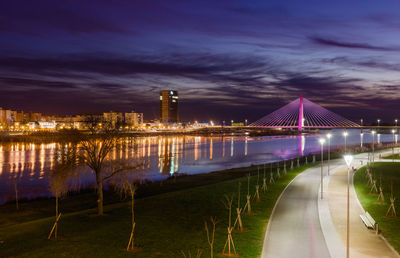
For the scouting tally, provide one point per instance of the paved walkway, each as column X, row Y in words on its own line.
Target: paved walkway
column 363, row 242
column 300, row 216
column 294, row 229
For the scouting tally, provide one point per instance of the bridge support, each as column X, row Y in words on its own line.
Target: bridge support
column 301, row 120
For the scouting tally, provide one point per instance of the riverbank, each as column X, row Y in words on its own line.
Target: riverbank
column 77, row 135
column 387, row 176
column 170, row 219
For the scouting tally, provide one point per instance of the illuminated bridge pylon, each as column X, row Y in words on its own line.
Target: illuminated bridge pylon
column 303, row 113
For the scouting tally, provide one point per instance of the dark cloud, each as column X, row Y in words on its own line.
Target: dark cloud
column 21, row 83
column 42, row 18
column 352, row 45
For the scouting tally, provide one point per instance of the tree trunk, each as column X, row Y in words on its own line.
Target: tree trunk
column 99, row 194
column 16, row 195
column 133, row 204
column 55, row 230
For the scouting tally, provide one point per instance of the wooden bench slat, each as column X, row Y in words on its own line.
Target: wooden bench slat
column 366, row 221
column 369, row 217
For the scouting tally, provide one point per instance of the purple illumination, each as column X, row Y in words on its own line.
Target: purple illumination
column 303, row 113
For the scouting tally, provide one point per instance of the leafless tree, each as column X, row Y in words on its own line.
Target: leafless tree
column 60, row 176
column 128, row 182
column 94, row 151
column 210, row 238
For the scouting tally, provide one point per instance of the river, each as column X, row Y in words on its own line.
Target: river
column 26, row 166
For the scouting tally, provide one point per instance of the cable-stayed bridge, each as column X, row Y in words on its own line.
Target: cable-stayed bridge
column 301, row 114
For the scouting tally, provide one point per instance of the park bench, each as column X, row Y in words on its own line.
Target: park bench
column 368, row 220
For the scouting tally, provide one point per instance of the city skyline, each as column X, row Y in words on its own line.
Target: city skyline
column 228, row 61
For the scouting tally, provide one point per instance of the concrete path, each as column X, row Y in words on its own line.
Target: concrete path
column 294, row 229
column 363, row 242
column 303, row 225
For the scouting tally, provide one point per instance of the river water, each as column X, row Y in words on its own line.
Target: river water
column 26, row 166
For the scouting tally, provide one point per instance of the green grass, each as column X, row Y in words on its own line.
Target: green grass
column 386, row 174
column 166, row 223
column 395, row 156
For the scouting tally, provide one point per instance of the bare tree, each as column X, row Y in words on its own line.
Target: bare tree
column 95, row 149
column 128, row 182
column 129, row 186
column 59, row 181
column 210, row 240
column 229, row 241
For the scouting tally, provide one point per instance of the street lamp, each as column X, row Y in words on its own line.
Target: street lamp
column 245, row 122
column 348, row 159
column 395, row 122
column 345, row 133
column 378, row 122
column 329, row 135
column 373, row 146
column 322, row 141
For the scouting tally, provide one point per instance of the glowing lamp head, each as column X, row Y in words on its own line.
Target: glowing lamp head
column 345, row 134
column 393, row 131
column 322, row 141
column 328, row 135
column 373, row 132
column 348, row 159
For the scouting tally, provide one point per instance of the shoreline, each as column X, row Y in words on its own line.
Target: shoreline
column 76, row 135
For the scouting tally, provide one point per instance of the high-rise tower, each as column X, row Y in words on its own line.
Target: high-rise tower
column 169, row 106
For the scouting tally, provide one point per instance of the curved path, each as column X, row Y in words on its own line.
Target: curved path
column 294, row 229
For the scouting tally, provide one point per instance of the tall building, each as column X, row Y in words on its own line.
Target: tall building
column 169, row 106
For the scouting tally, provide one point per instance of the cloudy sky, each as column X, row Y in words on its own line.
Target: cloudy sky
column 228, row 59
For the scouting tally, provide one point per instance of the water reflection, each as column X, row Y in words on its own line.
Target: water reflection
column 361, row 139
column 28, row 164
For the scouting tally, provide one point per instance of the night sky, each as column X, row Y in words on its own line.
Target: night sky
column 228, row 59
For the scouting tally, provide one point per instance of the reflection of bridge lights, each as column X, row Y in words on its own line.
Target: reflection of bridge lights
column 231, row 146
column 245, row 146
column 361, row 139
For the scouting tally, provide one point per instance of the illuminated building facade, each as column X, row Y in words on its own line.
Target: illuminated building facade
column 169, row 106
column 134, row 119
column 114, row 118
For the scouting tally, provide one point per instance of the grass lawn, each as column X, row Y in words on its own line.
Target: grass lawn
column 386, row 174
column 395, row 156
column 166, row 223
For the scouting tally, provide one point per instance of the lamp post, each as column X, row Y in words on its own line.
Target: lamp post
column 345, row 133
column 329, row 150
column 378, row 121
column 322, row 141
column 348, row 159
column 373, row 146
column 395, row 122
